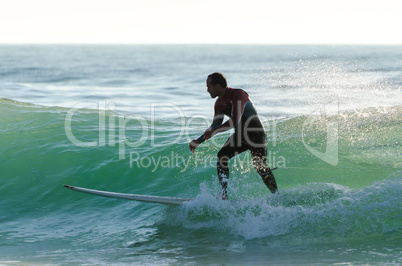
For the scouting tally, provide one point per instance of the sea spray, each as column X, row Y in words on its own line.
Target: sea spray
column 309, row 211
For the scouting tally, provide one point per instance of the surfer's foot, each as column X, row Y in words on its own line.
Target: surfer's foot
column 269, row 181
column 223, row 196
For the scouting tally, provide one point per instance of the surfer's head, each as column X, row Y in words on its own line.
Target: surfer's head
column 216, row 84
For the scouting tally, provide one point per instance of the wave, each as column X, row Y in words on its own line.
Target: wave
column 358, row 194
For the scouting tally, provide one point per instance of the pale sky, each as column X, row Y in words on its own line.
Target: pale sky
column 203, row 21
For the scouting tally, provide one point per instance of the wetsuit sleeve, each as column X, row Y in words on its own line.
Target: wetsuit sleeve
column 217, row 121
column 201, row 139
column 238, row 103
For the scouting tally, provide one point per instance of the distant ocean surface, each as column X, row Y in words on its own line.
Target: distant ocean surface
column 120, row 117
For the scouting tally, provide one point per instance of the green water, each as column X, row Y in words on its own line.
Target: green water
column 348, row 212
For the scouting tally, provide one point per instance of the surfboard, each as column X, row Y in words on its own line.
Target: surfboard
column 137, row 197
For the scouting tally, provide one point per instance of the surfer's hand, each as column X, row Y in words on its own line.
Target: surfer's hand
column 193, row 145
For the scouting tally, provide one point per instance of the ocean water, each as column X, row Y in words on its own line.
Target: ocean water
column 119, row 118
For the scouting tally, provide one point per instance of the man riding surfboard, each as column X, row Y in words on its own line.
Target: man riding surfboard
column 249, row 132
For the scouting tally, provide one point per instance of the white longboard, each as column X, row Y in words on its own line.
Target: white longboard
column 137, row 197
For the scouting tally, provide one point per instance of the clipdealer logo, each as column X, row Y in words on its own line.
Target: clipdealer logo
column 112, row 127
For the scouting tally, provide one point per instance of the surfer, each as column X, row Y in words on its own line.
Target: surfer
column 249, row 132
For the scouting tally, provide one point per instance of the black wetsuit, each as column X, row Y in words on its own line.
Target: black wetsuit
column 249, row 135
